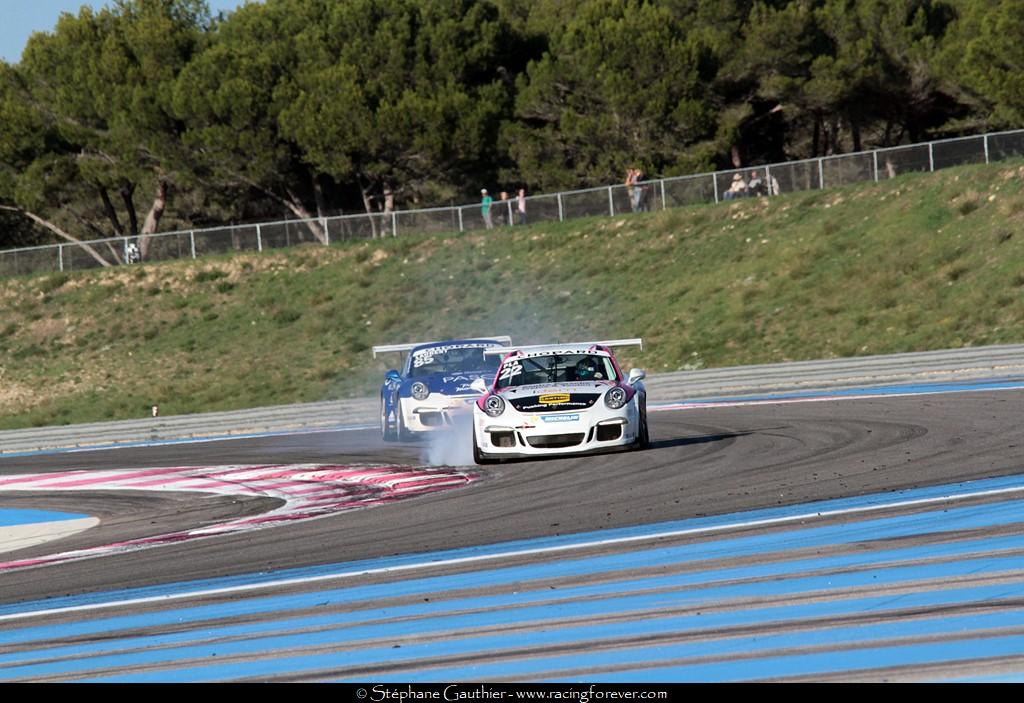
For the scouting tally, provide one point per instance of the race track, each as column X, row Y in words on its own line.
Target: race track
column 729, row 459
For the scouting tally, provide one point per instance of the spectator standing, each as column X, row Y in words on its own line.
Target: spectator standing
column 521, row 205
column 132, row 254
column 631, row 187
column 506, row 209
column 485, row 208
column 639, row 191
column 387, row 216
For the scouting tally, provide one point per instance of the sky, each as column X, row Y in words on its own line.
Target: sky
column 20, row 18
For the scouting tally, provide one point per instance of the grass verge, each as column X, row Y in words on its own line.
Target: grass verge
column 924, row 261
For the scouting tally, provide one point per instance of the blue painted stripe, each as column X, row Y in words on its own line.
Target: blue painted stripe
column 10, row 517
column 562, row 541
column 487, row 613
column 993, row 560
column 529, row 666
column 906, row 389
column 762, row 644
column 520, row 576
column 930, row 522
column 818, row 664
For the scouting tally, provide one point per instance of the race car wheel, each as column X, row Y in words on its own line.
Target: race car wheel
column 402, row 434
column 387, row 431
column 643, row 437
column 478, row 456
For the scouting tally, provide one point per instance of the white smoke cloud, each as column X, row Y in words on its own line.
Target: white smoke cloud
column 451, row 447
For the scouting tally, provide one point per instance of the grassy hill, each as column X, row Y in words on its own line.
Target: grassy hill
column 925, row 261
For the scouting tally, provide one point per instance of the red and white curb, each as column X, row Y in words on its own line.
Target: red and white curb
column 308, row 491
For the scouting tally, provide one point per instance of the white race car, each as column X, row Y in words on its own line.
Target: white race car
column 433, row 387
column 559, row 399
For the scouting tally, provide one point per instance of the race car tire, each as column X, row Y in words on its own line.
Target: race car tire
column 643, row 436
column 387, row 430
column 401, row 433
column 478, row 456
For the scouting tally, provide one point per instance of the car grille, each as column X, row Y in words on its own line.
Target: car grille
column 554, row 441
column 576, row 401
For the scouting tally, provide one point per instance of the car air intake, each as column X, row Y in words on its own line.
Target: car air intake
column 554, row 441
column 503, row 439
column 432, row 419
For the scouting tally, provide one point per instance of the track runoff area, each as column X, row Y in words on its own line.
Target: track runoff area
column 918, row 584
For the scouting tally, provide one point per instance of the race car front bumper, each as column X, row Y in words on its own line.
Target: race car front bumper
column 515, row 434
column 436, row 413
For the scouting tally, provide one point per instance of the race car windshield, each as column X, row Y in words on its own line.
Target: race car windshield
column 449, row 360
column 555, row 368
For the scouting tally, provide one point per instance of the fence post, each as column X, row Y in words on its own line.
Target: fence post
column 394, row 223
column 327, row 233
column 874, row 161
column 192, row 240
column 611, row 203
column 986, row 147
column 510, row 223
column 259, row 241
column 821, row 173
column 931, row 156
column 714, row 184
column 461, row 227
column 664, row 205
column 60, row 256
column 561, row 212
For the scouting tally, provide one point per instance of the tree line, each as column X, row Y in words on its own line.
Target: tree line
column 152, row 115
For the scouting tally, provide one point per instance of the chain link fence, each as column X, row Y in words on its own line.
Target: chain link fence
column 810, row 174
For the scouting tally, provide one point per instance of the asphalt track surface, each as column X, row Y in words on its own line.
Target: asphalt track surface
column 703, row 462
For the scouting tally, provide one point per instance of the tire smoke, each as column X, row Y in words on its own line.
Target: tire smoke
column 452, row 447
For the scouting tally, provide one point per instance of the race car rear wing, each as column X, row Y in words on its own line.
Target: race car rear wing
column 402, row 348
column 637, row 342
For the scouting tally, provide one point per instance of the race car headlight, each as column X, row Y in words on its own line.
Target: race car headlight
column 494, row 406
column 615, row 398
column 419, row 390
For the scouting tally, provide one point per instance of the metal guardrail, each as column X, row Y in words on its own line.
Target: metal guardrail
column 809, row 174
column 1002, row 362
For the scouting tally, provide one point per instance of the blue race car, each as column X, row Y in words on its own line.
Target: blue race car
column 433, row 387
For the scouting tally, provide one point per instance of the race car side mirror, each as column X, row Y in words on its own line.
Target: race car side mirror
column 479, row 385
column 636, row 375
column 393, row 376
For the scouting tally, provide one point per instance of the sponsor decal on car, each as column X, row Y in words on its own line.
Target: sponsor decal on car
column 568, row 401
column 462, row 378
column 553, row 398
column 560, row 418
